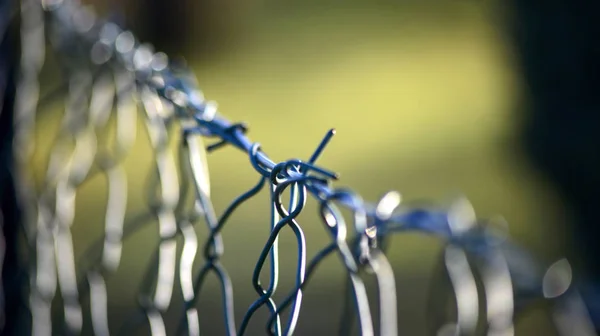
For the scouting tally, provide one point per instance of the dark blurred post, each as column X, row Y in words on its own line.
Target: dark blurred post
column 559, row 53
column 13, row 304
column 178, row 27
column 164, row 23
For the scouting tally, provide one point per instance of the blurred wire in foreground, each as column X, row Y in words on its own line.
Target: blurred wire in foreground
column 108, row 71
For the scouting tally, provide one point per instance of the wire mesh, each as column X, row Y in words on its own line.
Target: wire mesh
column 111, row 74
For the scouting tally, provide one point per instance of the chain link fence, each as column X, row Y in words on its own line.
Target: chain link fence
column 110, row 76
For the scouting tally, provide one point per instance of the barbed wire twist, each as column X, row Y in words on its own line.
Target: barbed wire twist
column 108, row 69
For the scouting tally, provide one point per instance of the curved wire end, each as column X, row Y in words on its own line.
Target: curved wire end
column 242, row 127
column 322, row 146
column 317, row 153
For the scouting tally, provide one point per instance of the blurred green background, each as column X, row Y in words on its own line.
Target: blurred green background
column 423, row 96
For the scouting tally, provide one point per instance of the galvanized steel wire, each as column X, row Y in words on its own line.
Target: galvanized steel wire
column 110, row 72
